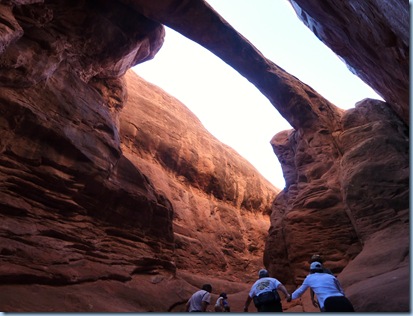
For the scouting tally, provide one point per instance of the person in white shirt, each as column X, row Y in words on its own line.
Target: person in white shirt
column 221, row 304
column 200, row 300
column 327, row 288
column 264, row 293
column 318, row 258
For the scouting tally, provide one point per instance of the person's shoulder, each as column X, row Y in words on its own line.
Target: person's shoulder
column 256, row 283
column 315, row 276
column 328, row 275
column 275, row 281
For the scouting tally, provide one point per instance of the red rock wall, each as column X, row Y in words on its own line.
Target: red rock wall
column 371, row 37
column 346, row 198
column 113, row 194
column 221, row 204
column 347, row 192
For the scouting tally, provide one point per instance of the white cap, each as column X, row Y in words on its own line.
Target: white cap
column 316, row 266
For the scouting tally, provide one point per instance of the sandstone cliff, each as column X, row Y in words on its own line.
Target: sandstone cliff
column 221, row 204
column 114, row 195
column 347, row 191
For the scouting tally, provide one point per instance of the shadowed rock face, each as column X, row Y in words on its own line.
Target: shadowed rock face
column 114, row 195
column 372, row 37
column 347, row 188
column 353, row 209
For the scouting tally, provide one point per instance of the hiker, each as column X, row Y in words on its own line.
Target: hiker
column 222, row 303
column 200, row 300
column 318, row 258
column 264, row 293
column 329, row 292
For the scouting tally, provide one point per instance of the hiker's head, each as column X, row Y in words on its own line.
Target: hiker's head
column 316, row 267
column 207, row 287
column 316, row 257
column 263, row 273
column 223, row 294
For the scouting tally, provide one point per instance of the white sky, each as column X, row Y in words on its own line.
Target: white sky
column 228, row 105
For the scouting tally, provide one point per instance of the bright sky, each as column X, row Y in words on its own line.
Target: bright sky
column 228, row 105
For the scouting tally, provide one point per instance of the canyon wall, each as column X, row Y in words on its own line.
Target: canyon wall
column 115, row 198
column 347, row 187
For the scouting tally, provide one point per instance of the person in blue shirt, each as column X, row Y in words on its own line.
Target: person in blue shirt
column 327, row 288
column 264, row 293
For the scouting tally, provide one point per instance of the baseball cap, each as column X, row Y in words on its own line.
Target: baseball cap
column 316, row 266
column 263, row 273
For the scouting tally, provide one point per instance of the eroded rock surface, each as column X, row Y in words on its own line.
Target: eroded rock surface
column 354, row 209
column 347, row 192
column 372, row 37
column 108, row 212
column 221, row 205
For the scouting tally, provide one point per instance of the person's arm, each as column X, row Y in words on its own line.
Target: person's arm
column 247, row 303
column 282, row 288
column 205, row 301
column 204, row 306
column 298, row 292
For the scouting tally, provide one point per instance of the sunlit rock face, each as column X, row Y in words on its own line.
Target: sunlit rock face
column 221, row 204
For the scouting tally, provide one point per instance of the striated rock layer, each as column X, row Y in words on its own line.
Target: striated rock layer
column 115, row 198
column 354, row 209
column 347, row 185
column 221, row 204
